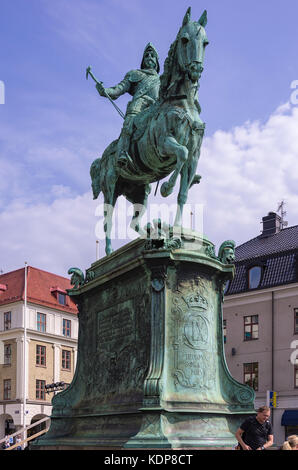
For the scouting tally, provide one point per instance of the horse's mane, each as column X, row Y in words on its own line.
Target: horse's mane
column 171, row 75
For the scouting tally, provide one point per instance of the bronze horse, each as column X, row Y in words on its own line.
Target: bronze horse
column 168, row 135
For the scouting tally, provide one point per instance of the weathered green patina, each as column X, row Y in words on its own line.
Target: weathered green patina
column 143, row 85
column 161, row 137
column 151, row 369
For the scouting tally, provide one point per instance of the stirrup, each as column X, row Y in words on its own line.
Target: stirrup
column 123, row 159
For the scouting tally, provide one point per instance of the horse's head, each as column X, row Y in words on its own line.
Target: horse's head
column 191, row 43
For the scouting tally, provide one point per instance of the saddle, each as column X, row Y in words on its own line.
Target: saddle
column 141, row 120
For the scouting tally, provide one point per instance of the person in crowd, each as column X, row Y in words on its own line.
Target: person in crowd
column 18, row 440
column 255, row 433
column 291, row 443
column 6, row 442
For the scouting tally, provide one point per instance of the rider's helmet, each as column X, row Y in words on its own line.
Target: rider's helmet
column 151, row 48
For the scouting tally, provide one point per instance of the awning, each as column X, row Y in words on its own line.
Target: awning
column 289, row 418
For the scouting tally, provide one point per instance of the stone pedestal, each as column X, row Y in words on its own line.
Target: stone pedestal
column 151, row 370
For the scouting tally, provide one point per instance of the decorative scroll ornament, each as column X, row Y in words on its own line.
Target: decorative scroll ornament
column 78, row 279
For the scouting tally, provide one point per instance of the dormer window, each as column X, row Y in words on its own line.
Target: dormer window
column 254, row 277
column 61, row 298
column 60, row 294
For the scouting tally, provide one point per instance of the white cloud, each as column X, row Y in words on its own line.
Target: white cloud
column 61, row 191
column 245, row 173
column 49, row 236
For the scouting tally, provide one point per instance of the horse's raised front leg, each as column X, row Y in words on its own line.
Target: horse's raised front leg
column 182, row 195
column 172, row 147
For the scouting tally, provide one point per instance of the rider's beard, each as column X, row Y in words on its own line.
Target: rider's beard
column 150, row 64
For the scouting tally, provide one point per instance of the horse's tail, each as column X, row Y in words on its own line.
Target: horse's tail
column 99, row 168
column 95, row 178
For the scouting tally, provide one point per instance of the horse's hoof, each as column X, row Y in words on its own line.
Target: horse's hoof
column 196, row 179
column 166, row 189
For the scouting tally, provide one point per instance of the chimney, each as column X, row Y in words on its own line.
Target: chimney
column 271, row 224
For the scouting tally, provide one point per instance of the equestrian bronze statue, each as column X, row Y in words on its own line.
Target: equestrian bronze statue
column 162, row 132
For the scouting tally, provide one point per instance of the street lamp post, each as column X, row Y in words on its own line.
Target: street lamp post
column 25, row 352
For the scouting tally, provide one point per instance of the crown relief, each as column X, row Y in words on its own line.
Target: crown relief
column 196, row 300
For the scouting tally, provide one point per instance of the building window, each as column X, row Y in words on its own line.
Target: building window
column 41, row 322
column 7, row 389
column 251, row 374
column 224, row 327
column 295, row 320
column 66, row 327
column 40, row 390
column 66, row 359
column 7, row 320
column 254, row 277
column 296, row 374
column 7, row 354
column 251, row 327
column 61, row 298
column 9, row 427
column 40, row 355
column 226, row 288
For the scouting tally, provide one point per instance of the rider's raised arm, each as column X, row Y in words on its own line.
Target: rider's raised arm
column 123, row 87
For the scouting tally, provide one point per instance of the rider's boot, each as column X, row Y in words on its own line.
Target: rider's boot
column 123, row 145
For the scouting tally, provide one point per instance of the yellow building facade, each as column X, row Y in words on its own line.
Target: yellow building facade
column 47, row 319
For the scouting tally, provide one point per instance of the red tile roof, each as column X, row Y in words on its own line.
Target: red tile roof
column 42, row 288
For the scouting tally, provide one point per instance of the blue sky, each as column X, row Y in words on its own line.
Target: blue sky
column 53, row 124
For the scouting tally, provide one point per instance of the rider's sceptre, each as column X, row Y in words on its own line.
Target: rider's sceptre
column 88, row 72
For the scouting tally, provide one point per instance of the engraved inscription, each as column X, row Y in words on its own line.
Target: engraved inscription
column 116, row 347
column 114, row 326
